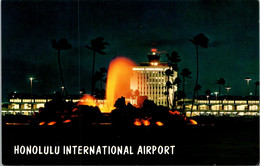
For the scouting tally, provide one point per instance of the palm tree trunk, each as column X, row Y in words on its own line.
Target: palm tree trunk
column 197, row 52
column 219, row 100
column 168, row 104
column 93, row 71
column 183, row 88
column 61, row 74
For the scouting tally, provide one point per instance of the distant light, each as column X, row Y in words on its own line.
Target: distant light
column 251, row 93
column 52, row 123
column 137, row 122
column 146, row 69
column 146, row 122
column 153, row 50
column 154, row 63
column 31, row 78
column 42, row 123
column 154, row 53
column 193, row 122
column 158, row 123
column 228, row 88
column 67, row 121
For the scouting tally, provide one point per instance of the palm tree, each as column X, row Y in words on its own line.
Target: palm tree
column 185, row 74
column 97, row 46
column 168, row 73
column 198, row 40
column 176, row 96
column 62, row 44
column 220, row 82
column 99, row 77
column 256, row 85
column 173, row 61
column 198, row 88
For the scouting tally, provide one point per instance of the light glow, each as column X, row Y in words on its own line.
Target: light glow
column 52, row 123
column 174, row 112
column 193, row 122
column 88, row 100
column 118, row 80
column 66, row 121
column 158, row 123
column 42, row 123
column 146, row 122
column 137, row 122
column 153, row 50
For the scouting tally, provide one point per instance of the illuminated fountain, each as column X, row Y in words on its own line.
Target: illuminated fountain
column 118, row 85
column 118, row 80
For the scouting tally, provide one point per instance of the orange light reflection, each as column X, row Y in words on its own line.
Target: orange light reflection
column 146, row 122
column 174, row 112
column 158, row 123
column 137, row 122
column 193, row 122
column 42, row 123
column 87, row 100
column 66, row 121
column 52, row 123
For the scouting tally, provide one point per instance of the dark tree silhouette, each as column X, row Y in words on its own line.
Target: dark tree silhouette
column 208, row 92
column 185, row 74
column 220, row 82
column 256, row 86
column 99, row 77
column 97, row 46
column 198, row 88
column 168, row 73
column 62, row 44
column 176, row 82
column 173, row 61
column 198, row 40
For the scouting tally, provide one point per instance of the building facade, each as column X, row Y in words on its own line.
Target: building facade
column 149, row 79
column 226, row 105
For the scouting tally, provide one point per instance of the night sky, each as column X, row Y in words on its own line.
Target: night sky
column 130, row 28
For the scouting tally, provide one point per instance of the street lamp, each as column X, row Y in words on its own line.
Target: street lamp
column 216, row 93
column 228, row 89
column 247, row 82
column 62, row 90
column 31, row 79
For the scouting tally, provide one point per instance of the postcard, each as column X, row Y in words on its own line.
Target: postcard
column 130, row 82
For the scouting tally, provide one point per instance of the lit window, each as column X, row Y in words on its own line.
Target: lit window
column 15, row 106
column 27, row 106
column 39, row 105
